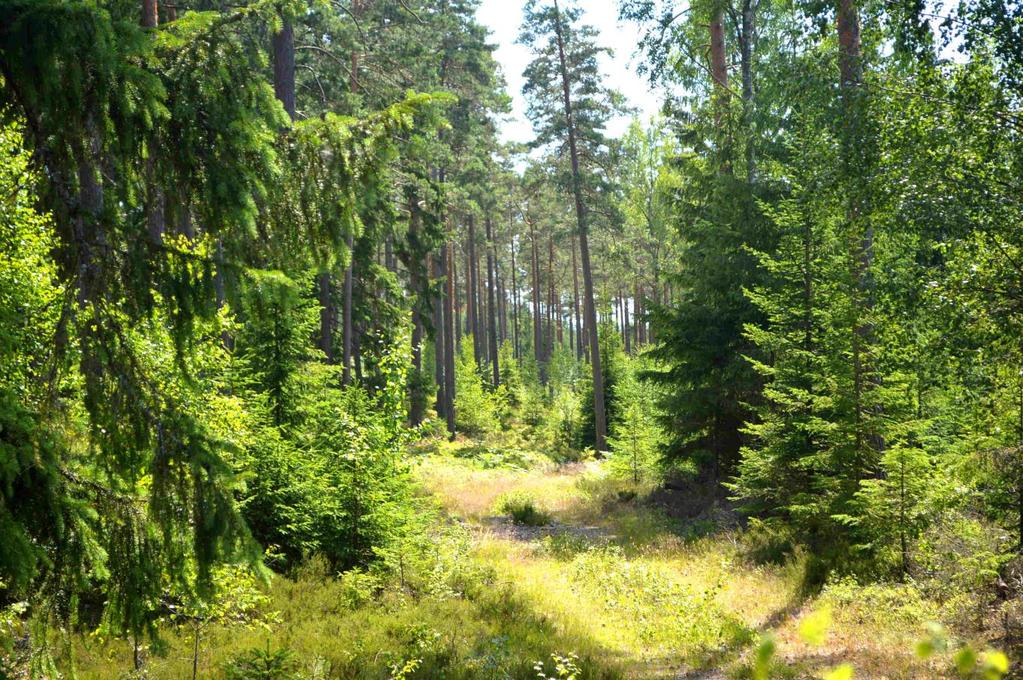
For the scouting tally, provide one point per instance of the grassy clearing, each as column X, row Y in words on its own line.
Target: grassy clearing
column 661, row 600
column 606, row 577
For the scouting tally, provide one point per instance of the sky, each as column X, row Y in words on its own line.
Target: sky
column 504, row 17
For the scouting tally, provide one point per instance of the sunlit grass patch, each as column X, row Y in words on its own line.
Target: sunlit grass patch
column 471, row 491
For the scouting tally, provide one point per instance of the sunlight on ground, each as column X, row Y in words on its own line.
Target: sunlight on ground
column 659, row 603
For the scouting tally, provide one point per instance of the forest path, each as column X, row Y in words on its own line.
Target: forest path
column 607, row 567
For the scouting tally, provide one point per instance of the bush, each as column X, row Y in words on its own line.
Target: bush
column 523, row 510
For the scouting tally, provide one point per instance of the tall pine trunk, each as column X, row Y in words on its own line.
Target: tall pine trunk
column 449, row 340
column 534, row 266
column 515, row 305
column 474, row 300
column 438, row 262
column 575, row 305
column 599, row 413
column 492, row 329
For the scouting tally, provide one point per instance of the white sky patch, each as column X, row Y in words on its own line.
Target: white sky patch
column 504, row 18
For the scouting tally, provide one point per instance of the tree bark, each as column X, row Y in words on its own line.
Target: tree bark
column 284, row 66
column 474, row 300
column 719, row 65
column 468, row 290
column 449, row 340
column 492, row 303
column 534, row 265
column 439, row 273
column 551, row 301
column 746, row 40
column 482, row 308
column 347, row 331
column 419, row 289
column 628, row 328
column 515, row 304
column 456, row 307
column 600, row 416
column 579, row 336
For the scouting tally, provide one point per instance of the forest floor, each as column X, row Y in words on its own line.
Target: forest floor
column 664, row 598
column 608, row 576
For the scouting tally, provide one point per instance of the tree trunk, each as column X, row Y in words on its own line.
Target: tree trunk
column 747, row 38
column 284, row 66
column 492, row 303
column 600, row 416
column 534, row 264
column 346, row 326
column 850, row 74
column 439, row 273
column 719, row 66
column 415, row 413
column 579, row 335
column 456, row 307
column 515, row 304
column 468, row 290
column 483, row 311
column 473, row 294
column 502, row 302
column 419, row 288
column 551, row 301
column 625, row 322
column 449, row 340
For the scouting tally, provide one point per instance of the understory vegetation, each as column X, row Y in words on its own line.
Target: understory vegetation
column 310, row 369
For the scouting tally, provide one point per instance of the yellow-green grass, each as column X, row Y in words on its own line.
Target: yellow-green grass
column 612, row 580
column 710, row 578
column 491, row 631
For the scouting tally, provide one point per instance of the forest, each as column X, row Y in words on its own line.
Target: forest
column 309, row 371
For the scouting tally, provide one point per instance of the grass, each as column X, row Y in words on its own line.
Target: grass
column 599, row 574
column 659, row 598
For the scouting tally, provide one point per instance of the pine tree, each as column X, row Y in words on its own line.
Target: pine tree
column 568, row 106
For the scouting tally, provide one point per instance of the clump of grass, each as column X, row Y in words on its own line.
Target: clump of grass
column 523, row 510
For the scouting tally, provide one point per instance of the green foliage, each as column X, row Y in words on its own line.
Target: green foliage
column 263, row 663
column 693, row 621
column 562, row 668
column 635, row 438
column 273, row 339
column 614, row 365
column 32, row 495
column 523, row 510
column 477, row 410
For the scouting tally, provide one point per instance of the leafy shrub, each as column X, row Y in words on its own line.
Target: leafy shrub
column 523, row 510
column 563, row 668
